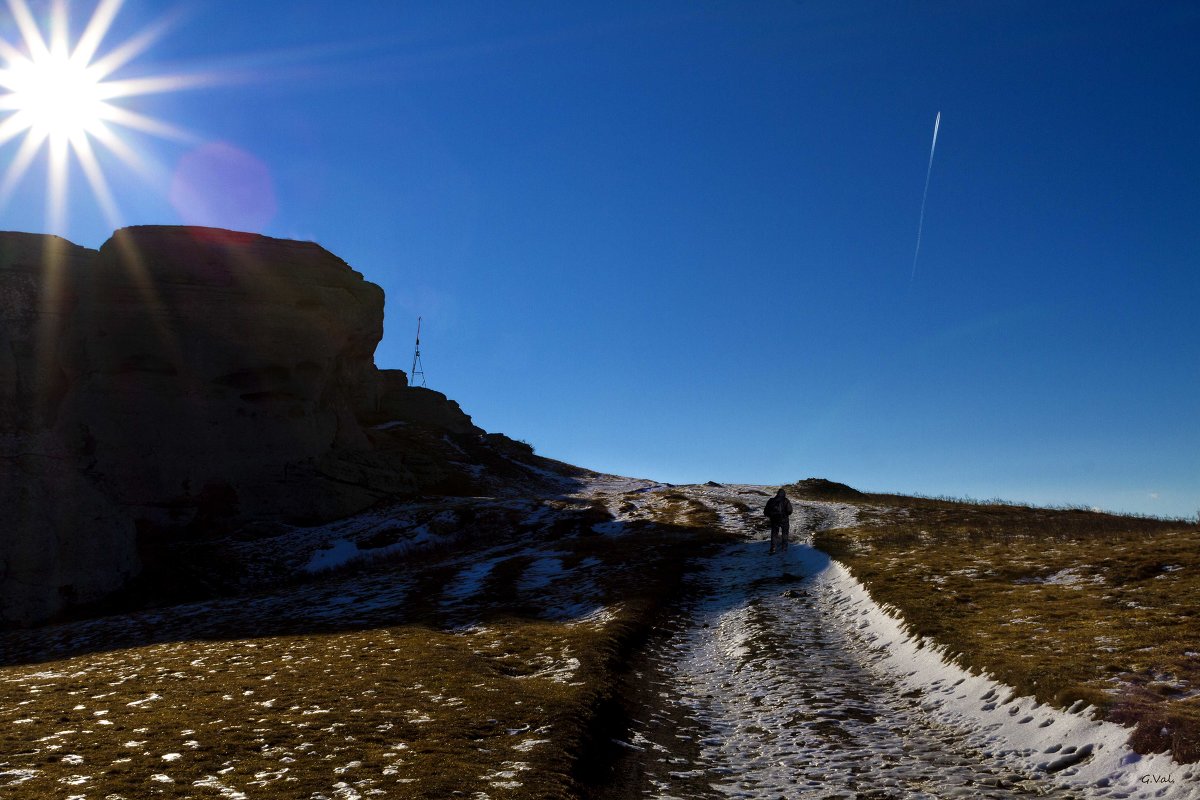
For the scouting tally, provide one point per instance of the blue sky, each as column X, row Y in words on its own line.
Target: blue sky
column 675, row 240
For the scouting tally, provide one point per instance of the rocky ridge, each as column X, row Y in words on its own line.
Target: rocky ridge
column 184, row 382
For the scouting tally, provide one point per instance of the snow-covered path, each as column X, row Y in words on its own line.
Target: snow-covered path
column 784, row 680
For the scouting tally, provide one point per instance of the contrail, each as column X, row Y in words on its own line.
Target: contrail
column 928, row 172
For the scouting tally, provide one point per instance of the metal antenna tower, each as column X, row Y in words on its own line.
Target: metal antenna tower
column 417, row 368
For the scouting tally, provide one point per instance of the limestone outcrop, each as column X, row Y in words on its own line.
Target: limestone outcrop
column 417, row 404
column 218, row 358
column 37, row 279
column 184, row 380
column 61, row 539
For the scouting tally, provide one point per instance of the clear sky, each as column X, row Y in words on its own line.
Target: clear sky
column 675, row 239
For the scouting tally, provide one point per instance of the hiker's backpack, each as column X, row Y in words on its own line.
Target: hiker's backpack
column 772, row 508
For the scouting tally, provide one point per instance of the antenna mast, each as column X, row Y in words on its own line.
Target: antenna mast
column 417, row 368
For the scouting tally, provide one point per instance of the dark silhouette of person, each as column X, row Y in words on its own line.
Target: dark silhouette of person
column 779, row 510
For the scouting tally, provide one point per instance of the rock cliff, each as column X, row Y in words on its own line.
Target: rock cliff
column 38, row 275
column 181, row 381
column 217, row 358
column 61, row 539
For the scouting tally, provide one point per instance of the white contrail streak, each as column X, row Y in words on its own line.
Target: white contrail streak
column 928, row 172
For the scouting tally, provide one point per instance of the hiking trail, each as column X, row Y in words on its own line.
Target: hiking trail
column 773, row 684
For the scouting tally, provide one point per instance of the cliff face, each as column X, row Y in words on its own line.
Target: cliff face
column 218, row 359
column 180, row 379
column 61, row 539
column 37, row 279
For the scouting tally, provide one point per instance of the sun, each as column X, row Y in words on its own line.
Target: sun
column 55, row 96
column 59, row 95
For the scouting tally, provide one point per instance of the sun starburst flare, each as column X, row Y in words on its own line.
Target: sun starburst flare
column 60, row 95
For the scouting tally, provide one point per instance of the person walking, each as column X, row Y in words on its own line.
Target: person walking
column 779, row 511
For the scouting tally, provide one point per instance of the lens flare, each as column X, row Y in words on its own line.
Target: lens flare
column 58, row 95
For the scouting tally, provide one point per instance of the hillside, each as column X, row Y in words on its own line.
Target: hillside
column 607, row 639
column 240, row 560
column 416, row 650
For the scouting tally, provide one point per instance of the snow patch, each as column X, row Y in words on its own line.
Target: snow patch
column 1064, row 577
column 1070, row 746
column 542, row 572
column 469, row 581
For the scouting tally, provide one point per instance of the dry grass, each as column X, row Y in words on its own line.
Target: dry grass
column 1066, row 605
column 441, row 695
column 680, row 510
column 429, row 710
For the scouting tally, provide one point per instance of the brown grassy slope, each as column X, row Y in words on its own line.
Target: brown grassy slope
column 401, row 700
column 1064, row 605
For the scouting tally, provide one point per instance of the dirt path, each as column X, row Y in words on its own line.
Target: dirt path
column 762, row 693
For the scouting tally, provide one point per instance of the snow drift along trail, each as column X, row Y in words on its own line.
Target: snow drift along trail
column 788, row 680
